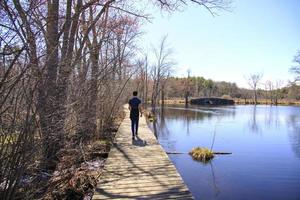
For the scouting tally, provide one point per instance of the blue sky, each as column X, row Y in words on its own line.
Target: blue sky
column 258, row 36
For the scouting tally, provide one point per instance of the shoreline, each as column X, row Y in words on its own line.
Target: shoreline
column 284, row 102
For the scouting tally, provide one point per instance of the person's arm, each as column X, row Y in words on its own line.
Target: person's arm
column 129, row 106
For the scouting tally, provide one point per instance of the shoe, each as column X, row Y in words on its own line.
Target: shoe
column 132, row 138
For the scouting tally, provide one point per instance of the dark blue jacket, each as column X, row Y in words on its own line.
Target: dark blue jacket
column 134, row 104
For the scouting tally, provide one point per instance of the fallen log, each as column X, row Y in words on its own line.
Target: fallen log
column 215, row 152
column 174, row 152
column 222, row 153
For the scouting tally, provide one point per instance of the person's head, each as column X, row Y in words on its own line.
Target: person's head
column 135, row 93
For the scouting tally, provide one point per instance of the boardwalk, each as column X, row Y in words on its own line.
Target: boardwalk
column 139, row 169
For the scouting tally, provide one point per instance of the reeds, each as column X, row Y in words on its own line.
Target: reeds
column 201, row 154
column 150, row 116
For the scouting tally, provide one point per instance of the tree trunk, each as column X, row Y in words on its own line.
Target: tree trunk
column 52, row 137
column 162, row 96
column 146, row 84
column 255, row 97
column 86, row 127
column 186, row 96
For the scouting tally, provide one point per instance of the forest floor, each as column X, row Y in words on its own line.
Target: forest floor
column 76, row 173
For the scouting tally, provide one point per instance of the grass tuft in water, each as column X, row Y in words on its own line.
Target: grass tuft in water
column 201, row 154
column 150, row 117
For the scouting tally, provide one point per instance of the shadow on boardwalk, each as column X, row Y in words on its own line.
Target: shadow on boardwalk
column 139, row 142
column 139, row 169
column 170, row 193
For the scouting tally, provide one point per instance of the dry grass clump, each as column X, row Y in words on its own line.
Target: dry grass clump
column 151, row 119
column 201, row 154
column 150, row 116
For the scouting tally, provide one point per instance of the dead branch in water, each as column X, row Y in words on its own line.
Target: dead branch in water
column 215, row 152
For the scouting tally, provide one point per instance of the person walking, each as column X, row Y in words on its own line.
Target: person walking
column 135, row 109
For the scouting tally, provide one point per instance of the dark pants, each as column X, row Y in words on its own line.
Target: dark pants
column 134, row 125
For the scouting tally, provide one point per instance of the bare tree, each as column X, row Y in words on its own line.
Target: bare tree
column 187, row 87
column 277, row 88
column 253, row 81
column 269, row 86
column 18, row 90
column 213, row 6
column 296, row 69
column 161, row 70
column 142, row 78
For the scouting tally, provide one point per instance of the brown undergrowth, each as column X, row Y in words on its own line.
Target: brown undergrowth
column 75, row 176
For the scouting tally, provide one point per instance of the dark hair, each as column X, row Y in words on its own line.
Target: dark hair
column 135, row 93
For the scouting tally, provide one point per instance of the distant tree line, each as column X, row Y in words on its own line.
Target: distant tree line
column 166, row 86
column 270, row 92
column 200, row 87
column 157, row 80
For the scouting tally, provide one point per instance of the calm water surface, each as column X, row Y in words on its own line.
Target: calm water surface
column 264, row 140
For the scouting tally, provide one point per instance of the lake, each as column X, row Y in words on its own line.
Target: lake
column 264, row 141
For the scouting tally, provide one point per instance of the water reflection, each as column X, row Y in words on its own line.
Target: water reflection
column 217, row 190
column 264, row 141
column 252, row 122
column 272, row 117
column 293, row 122
column 187, row 121
column 268, row 114
column 190, row 114
column 161, row 123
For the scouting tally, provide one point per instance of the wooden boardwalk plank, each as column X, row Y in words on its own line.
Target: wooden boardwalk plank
column 139, row 169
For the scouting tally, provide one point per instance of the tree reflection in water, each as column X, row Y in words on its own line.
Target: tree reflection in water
column 253, row 125
column 188, row 115
column 217, row 190
column 293, row 122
